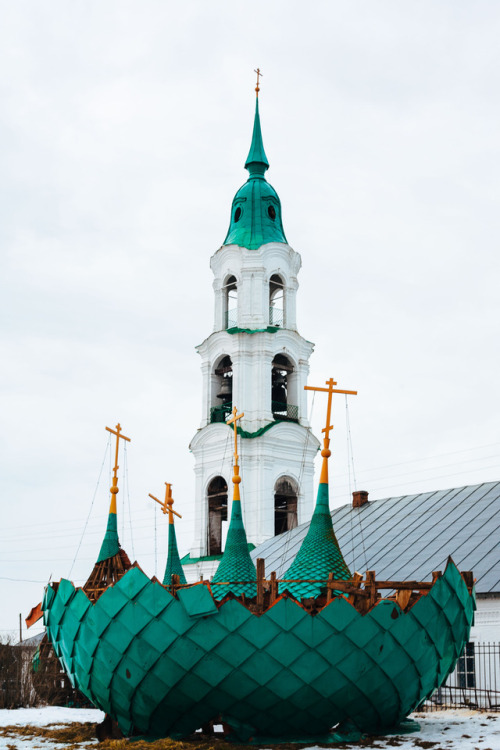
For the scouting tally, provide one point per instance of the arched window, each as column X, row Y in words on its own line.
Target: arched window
column 230, row 302
column 217, row 513
column 281, row 380
column 285, row 505
column 276, row 301
column 222, row 390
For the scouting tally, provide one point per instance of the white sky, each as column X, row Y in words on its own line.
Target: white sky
column 124, row 127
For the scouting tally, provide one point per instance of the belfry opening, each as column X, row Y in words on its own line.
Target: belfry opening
column 217, row 514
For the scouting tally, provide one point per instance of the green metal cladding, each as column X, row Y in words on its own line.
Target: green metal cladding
column 162, row 665
column 256, row 208
column 319, row 554
column 174, row 565
column 236, row 566
column 110, row 544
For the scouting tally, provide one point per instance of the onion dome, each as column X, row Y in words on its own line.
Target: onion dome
column 236, row 567
column 173, row 566
column 256, row 208
column 319, row 554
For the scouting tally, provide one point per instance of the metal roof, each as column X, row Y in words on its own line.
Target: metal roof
column 408, row 537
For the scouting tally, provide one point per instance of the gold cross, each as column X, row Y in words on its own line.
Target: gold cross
column 166, row 505
column 259, row 75
column 234, row 421
column 117, row 432
column 330, row 390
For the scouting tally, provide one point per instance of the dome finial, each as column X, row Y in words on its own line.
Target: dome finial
column 256, row 162
column 259, row 75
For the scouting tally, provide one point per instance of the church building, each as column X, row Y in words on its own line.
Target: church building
column 255, row 360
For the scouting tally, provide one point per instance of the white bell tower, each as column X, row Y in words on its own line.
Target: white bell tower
column 256, row 360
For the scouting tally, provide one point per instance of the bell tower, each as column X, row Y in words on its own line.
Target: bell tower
column 256, row 360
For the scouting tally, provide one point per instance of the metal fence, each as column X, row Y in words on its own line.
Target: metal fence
column 475, row 682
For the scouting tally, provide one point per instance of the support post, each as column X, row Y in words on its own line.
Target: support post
column 371, row 588
column 329, row 588
column 261, row 575
column 356, row 582
column 274, row 587
column 176, row 582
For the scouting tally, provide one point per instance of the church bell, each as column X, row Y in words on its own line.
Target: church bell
column 226, row 390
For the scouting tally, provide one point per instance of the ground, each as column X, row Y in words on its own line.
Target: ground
column 54, row 728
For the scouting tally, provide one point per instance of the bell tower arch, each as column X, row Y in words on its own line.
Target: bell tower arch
column 256, row 360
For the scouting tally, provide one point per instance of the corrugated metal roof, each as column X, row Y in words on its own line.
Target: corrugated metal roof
column 407, row 537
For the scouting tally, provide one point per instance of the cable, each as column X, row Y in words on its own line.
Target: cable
column 91, row 506
column 127, row 487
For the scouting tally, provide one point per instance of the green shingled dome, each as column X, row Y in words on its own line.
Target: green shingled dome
column 256, row 209
column 236, row 564
column 173, row 560
column 110, row 544
column 318, row 555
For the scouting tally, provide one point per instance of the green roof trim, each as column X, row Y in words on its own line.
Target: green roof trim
column 256, row 208
column 110, row 544
column 257, row 433
column 236, row 564
column 174, row 565
column 269, row 329
column 319, row 554
column 188, row 560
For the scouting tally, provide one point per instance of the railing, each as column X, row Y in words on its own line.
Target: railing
column 285, row 412
column 475, row 682
column 220, row 413
column 231, row 318
column 275, row 316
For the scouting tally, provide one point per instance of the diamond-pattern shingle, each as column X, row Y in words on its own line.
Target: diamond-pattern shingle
column 166, row 678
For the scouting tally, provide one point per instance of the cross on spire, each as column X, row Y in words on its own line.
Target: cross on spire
column 166, row 505
column 114, row 488
column 259, row 75
column 326, row 452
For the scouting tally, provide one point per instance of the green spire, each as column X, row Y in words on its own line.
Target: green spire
column 173, row 560
column 110, row 544
column 256, row 162
column 256, row 208
column 236, row 563
column 319, row 554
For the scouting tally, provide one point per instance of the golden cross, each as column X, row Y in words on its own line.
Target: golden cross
column 166, row 505
column 234, row 421
column 259, row 75
column 330, row 390
column 117, row 432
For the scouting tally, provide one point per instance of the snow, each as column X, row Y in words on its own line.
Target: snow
column 447, row 730
column 40, row 717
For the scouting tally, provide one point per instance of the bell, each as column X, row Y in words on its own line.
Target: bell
column 226, row 390
column 278, row 391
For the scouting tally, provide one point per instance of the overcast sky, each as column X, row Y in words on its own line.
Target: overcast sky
column 124, row 127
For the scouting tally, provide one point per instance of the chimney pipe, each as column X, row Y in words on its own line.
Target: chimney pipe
column 359, row 498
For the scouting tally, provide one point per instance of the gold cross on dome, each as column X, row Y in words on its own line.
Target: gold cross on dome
column 259, row 75
column 330, row 390
column 114, row 488
column 167, row 504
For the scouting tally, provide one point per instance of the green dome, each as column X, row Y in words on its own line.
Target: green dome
column 256, row 209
